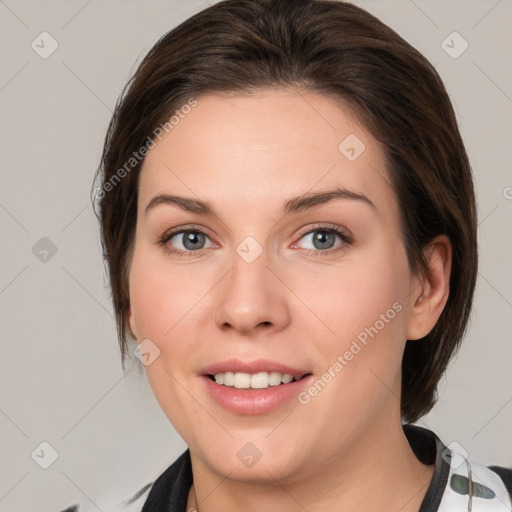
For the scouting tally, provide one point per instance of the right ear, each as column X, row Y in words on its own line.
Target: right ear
column 131, row 322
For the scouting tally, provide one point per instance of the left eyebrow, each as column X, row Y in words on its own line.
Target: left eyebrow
column 296, row 204
column 310, row 200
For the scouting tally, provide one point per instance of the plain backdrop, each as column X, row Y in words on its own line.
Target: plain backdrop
column 61, row 380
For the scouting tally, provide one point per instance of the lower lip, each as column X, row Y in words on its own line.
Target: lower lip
column 254, row 401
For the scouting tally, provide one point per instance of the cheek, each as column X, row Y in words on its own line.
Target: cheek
column 366, row 292
column 163, row 299
column 362, row 336
column 164, row 302
column 359, row 343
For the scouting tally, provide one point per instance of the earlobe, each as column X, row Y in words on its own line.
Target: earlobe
column 430, row 297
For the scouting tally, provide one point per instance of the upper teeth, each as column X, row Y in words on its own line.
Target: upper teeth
column 259, row 380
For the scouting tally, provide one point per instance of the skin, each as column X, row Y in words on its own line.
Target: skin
column 246, row 155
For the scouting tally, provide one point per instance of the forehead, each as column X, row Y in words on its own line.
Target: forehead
column 260, row 148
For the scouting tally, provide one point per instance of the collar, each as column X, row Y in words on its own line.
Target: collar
column 429, row 449
column 169, row 492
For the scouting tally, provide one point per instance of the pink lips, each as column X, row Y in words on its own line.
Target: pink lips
column 253, row 401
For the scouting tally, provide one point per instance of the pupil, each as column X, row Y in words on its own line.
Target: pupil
column 321, row 238
column 193, row 238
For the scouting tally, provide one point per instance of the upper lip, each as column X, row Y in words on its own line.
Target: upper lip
column 255, row 366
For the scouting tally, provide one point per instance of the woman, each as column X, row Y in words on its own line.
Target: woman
column 288, row 219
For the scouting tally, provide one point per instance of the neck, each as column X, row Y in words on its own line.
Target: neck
column 364, row 474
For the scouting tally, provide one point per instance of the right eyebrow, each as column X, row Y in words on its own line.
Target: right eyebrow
column 185, row 203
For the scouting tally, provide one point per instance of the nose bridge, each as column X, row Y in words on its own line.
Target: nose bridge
column 250, row 295
column 249, row 262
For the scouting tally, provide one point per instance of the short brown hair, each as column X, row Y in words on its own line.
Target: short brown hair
column 328, row 47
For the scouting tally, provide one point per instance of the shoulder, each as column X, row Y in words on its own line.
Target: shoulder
column 133, row 503
column 481, row 487
column 506, row 476
column 459, row 482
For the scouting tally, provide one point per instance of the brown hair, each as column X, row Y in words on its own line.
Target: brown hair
column 333, row 48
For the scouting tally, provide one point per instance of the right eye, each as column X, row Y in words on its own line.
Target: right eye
column 189, row 241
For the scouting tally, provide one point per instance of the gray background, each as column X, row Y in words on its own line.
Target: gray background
column 60, row 375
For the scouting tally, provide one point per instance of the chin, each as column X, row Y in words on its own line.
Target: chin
column 253, row 459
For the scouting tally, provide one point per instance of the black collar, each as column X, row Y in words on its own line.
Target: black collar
column 429, row 449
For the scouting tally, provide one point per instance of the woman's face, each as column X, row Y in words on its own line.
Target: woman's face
column 261, row 285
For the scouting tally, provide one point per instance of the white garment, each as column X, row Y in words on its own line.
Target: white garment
column 489, row 492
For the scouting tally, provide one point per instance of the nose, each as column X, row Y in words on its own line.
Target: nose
column 251, row 299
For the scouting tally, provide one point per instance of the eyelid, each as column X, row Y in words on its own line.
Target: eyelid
column 325, row 226
column 188, row 227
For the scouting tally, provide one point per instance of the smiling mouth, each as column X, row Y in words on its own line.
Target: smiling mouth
column 260, row 380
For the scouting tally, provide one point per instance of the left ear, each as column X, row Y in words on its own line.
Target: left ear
column 430, row 294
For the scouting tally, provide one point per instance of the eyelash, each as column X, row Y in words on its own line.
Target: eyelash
column 345, row 237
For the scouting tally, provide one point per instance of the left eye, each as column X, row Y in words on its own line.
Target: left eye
column 323, row 239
